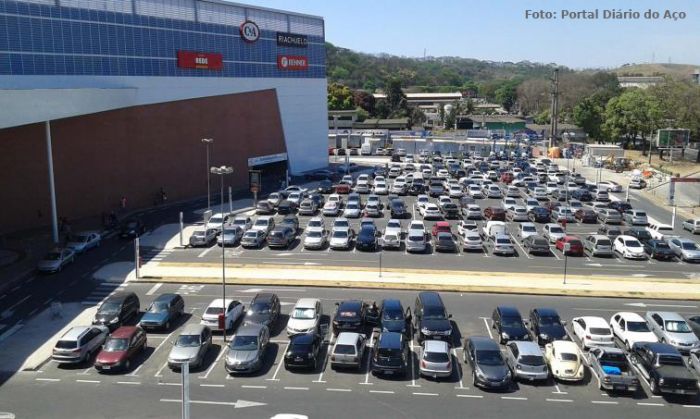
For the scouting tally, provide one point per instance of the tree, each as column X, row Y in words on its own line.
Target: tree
column 542, row 118
column 470, row 89
column 533, row 96
column 381, row 110
column 365, row 101
column 417, row 116
column 395, row 97
column 506, row 95
column 588, row 114
column 361, row 114
column 680, row 102
column 339, row 97
column 635, row 113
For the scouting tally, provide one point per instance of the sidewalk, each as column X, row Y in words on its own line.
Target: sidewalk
column 461, row 281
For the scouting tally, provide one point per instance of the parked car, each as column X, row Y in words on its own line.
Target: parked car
column 416, row 242
column 517, row 213
column 444, row 242
column 609, row 216
column 286, row 207
column 132, row 227
column 281, row 236
column 692, row 225
column 436, row 359
column 78, row 344
column 539, row 215
column 246, row 351
column 502, row 245
column 536, row 244
column 494, row 214
column 55, row 260
column 628, row 247
column 489, row 369
column 391, row 354
column 664, row 369
column 564, row 360
column 526, row 361
column 672, row 328
column 572, row 243
column 640, row 233
column 398, row 209
column 308, row 207
column 84, row 241
column 117, row 309
column 349, row 316
column 430, row 317
column 611, row 231
column 163, row 312
column 509, row 324
column 216, row 221
column 547, row 326
column 592, row 331
column 191, row 347
column 598, row 245
column 471, row 240
column 585, row 215
column 392, row 317
column 234, row 311
column 305, row 317
column 685, row 249
column 253, row 238
column 264, row 224
column 264, row 309
column 304, row 351
column 660, row 231
column 230, row 236
column 120, row 348
column 348, row 350
column 631, row 328
column 265, row 207
column 315, row 238
column 553, row 232
column 203, row 237
column 659, row 250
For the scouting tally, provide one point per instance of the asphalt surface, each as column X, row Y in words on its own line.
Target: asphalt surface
column 464, row 261
column 150, row 389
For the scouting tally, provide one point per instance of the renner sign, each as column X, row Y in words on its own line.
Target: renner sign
column 292, row 62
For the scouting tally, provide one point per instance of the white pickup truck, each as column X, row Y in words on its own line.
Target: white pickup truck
column 660, row 231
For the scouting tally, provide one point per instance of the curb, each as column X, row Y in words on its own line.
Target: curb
column 420, row 287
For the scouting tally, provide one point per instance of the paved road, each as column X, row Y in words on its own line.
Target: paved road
column 148, row 390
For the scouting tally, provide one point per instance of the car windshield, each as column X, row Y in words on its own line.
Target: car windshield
column 314, row 234
column 549, row 321
column 244, row 343
column 677, row 326
column 344, row 349
column 415, row 238
column 503, row 241
column 632, row 243
column 110, row 308
column 341, row 223
column 251, row 234
column 565, row 356
column 689, row 246
column 556, row 230
column 511, row 322
column 340, row 234
column 158, row 307
column 214, row 310
column 304, row 313
column 531, row 360
column 230, row 230
column 530, row 229
column 216, row 219
column 261, row 223
column 259, row 308
column 299, row 348
column 434, row 313
column 392, row 315
column 670, row 360
column 601, row 331
column 188, row 341
column 637, row 327
column 315, row 223
column 489, row 357
column 116, row 345
column 436, row 357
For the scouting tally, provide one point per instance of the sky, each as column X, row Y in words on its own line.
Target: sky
column 498, row 30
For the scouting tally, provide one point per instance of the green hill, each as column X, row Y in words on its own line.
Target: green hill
column 677, row 71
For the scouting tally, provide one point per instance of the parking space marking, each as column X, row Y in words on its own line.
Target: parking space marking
column 425, row 394
column 382, row 391
column 88, row 381
column 558, row 390
column 369, row 363
column 279, row 364
column 413, row 369
column 603, row 402
column 160, row 370
column 488, row 329
column 213, row 385
column 325, row 360
column 249, row 386
column 52, row 380
column 170, row 384
column 341, row 390
column 297, row 388
column 513, row 398
column 692, row 405
column 470, row 396
column 213, row 364
column 154, row 288
column 521, row 247
column 135, row 372
column 650, row 404
column 560, row 400
column 129, row 382
column 459, row 369
column 204, row 253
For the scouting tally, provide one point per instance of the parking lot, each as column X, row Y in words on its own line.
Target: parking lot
column 277, row 387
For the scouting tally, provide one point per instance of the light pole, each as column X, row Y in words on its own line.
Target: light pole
column 223, row 171
column 207, row 142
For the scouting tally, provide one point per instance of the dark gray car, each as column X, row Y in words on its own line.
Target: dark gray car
column 264, row 309
column 246, row 351
column 489, row 369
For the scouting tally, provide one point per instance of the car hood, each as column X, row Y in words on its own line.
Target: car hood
column 633, row 337
column 105, row 318
column 398, row 326
column 105, row 357
column 554, row 332
column 48, row 263
column 238, row 357
column 691, row 253
column 183, row 353
column 309, row 239
column 436, row 325
column 257, row 318
column 300, row 324
column 681, row 337
column 494, row 372
column 228, row 237
column 154, row 317
column 515, row 332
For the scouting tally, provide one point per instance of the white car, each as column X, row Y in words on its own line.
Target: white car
column 56, row 259
column 531, row 203
column 631, row 328
column 275, row 198
column 508, row 203
column 362, row 186
column 475, row 191
column 526, row 230
column 315, row 224
column 84, row 241
column 610, row 186
column 264, row 224
column 629, row 247
column 517, row 213
column 431, row 211
column 493, row 191
column 444, row 199
column 352, row 210
column 393, row 226
column 305, row 317
column 513, row 192
column 540, row 193
column 575, row 205
column 390, row 240
column 692, row 225
column 551, row 187
column 660, row 231
column 417, row 227
column 234, row 312
column 331, row 208
column 244, row 222
column 466, row 225
column 216, row 220
column 592, row 331
column 340, row 238
column 472, row 211
column 455, row 191
column 564, row 360
column 296, row 197
column 553, row 232
column 471, row 240
column 315, row 239
column 334, row 197
column 380, row 188
column 422, row 200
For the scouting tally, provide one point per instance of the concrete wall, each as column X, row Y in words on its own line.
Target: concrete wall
column 133, row 152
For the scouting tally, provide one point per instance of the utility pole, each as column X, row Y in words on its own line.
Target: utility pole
column 555, row 108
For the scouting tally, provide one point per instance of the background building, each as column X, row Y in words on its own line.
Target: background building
column 131, row 86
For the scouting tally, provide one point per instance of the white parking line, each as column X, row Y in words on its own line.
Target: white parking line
column 560, row 400
column 136, row 371
column 170, row 384
column 297, row 388
column 513, row 398
column 650, row 404
column 160, row 370
column 88, row 381
column 53, row 380
column 413, row 369
column 488, row 329
column 325, row 360
column 154, row 288
column 454, row 353
column 470, row 396
column 342, row 390
column 213, row 364
column 603, row 402
column 248, row 386
column 692, row 405
column 204, row 253
column 382, row 391
column 371, row 345
column 213, row 385
column 520, row 247
column 425, row 394
column 129, row 382
column 279, row 364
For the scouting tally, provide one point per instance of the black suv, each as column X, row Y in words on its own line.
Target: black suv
column 117, row 309
column 430, row 317
column 547, row 326
column 392, row 317
column 391, row 354
column 304, row 351
column 367, row 238
column 349, row 316
column 664, row 366
column 509, row 324
column 398, row 209
column 264, row 309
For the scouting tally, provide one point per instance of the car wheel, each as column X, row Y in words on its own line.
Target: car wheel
column 127, row 365
column 653, row 387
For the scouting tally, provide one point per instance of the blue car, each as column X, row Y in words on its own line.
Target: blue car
column 162, row 312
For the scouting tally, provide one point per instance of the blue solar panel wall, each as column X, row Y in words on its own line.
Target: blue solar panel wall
column 124, row 38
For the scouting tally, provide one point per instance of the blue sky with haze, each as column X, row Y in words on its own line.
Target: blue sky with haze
column 497, row 30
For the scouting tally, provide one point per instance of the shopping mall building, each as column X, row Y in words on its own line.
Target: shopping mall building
column 101, row 99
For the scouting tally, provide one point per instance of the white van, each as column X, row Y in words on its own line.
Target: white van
column 366, row 149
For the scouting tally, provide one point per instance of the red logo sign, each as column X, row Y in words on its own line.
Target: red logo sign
column 292, row 62
column 200, row 60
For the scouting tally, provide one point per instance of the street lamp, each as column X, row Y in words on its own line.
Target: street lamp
column 223, row 171
column 207, row 142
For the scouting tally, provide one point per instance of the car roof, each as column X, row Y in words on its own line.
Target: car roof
column 436, row 346
column 390, row 340
column 263, row 297
column 545, row 311
column 594, row 321
column 75, row 332
column 668, row 315
column 119, row 296
column 219, row 302
column 430, row 298
column 484, row 343
column 565, row 346
column 350, row 305
column 249, row 329
column 193, row 329
column 301, row 339
column 661, row 348
column 508, row 311
column 527, row 348
column 125, row 332
column 391, row 303
column 306, row 303
column 347, row 338
column 166, row 297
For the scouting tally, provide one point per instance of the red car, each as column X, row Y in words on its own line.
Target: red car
column 575, row 245
column 495, row 214
column 343, row 188
column 441, row 226
column 507, row 178
column 120, row 348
